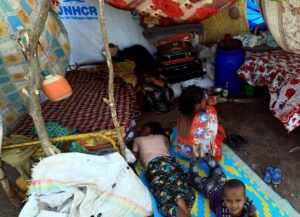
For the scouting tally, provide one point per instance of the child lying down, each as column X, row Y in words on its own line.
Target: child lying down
column 167, row 181
column 227, row 197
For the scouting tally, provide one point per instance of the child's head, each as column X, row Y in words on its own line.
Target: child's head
column 152, row 128
column 234, row 196
column 192, row 99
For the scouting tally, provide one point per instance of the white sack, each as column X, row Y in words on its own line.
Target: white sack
column 81, row 185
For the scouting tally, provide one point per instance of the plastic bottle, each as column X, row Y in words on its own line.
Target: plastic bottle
column 225, row 90
column 55, row 87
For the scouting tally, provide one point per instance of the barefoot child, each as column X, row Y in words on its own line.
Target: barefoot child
column 227, row 198
column 197, row 123
column 168, row 182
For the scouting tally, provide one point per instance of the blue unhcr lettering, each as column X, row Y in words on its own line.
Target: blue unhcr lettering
column 78, row 11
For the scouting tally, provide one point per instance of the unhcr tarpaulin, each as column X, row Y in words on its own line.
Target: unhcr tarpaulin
column 81, row 19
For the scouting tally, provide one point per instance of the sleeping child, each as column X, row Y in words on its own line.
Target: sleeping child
column 227, row 197
column 167, row 181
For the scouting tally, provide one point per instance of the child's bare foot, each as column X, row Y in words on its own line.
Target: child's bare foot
column 202, row 155
column 197, row 152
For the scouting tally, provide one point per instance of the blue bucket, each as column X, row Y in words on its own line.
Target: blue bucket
column 229, row 58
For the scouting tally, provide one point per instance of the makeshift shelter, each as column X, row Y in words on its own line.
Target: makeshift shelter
column 86, row 76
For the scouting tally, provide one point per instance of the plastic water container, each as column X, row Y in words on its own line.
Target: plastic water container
column 55, row 87
column 229, row 57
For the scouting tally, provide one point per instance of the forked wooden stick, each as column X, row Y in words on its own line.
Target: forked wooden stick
column 34, row 75
column 110, row 101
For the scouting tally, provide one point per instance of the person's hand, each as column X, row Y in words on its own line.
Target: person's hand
column 213, row 100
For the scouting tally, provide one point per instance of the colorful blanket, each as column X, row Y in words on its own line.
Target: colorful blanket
column 268, row 203
column 85, row 110
column 162, row 12
column 280, row 71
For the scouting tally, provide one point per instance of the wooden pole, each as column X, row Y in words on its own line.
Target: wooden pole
column 34, row 77
column 11, row 194
column 110, row 101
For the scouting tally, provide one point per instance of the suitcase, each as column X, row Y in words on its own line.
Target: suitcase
column 175, row 47
column 182, row 72
column 163, row 58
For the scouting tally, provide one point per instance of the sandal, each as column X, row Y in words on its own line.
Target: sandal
column 268, row 175
column 236, row 141
column 276, row 177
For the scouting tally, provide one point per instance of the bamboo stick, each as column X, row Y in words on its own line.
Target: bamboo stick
column 110, row 101
column 64, row 138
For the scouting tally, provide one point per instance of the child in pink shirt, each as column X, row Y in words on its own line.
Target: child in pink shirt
column 168, row 182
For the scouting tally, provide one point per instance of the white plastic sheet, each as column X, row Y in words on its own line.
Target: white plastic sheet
column 81, row 19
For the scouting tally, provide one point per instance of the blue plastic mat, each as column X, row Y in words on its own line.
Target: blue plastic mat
column 268, row 202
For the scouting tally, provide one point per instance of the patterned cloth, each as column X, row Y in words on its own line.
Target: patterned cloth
column 85, row 110
column 158, row 12
column 168, row 183
column 14, row 16
column 251, row 40
column 55, row 130
column 205, row 130
column 282, row 19
column 280, row 71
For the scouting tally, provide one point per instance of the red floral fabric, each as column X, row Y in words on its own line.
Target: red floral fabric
column 170, row 8
column 164, row 12
column 280, row 71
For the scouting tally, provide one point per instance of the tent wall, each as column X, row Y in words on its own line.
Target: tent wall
column 254, row 15
column 81, row 19
column 14, row 16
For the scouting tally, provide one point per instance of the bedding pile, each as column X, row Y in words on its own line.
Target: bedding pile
column 280, row 71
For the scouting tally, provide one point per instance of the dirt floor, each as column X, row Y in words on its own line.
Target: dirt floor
column 269, row 145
